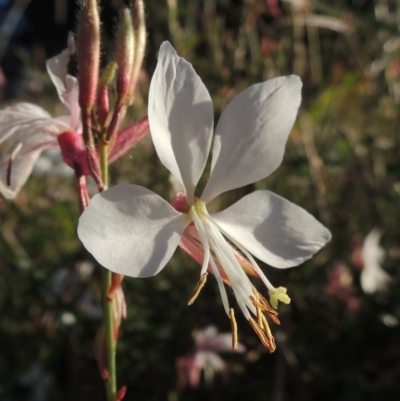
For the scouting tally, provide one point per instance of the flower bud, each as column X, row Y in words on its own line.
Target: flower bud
column 125, row 55
column 116, row 280
column 118, row 310
column 88, row 53
column 139, row 27
column 103, row 106
column 121, row 393
column 72, row 150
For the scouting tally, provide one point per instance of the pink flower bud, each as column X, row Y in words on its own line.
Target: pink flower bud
column 88, row 53
column 121, row 394
column 116, row 280
column 119, row 310
column 72, row 150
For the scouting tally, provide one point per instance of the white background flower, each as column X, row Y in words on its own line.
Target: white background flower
column 132, row 231
column 373, row 277
column 26, row 129
column 204, row 357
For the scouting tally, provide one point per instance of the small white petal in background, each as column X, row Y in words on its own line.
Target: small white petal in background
column 204, row 358
column 373, row 277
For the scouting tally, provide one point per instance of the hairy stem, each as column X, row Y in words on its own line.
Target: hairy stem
column 110, row 343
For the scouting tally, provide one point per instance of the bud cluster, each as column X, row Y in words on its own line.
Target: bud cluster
column 102, row 113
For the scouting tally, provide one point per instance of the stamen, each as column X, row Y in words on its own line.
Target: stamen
column 234, row 329
column 239, row 281
column 263, row 306
column 267, row 330
column 221, row 286
column 266, row 338
column 198, row 288
column 257, row 304
column 246, row 253
column 203, row 238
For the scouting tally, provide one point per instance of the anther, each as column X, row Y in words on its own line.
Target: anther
column 198, row 288
column 234, row 329
column 266, row 339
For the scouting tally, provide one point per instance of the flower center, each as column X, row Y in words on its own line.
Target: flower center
column 222, row 259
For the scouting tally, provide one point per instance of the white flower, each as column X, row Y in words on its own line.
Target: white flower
column 26, row 129
column 373, row 277
column 132, row 231
column 204, row 357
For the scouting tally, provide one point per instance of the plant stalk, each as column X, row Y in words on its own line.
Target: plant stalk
column 110, row 343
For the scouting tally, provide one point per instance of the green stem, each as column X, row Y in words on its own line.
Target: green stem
column 111, row 382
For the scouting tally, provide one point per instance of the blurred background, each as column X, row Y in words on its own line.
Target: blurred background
column 339, row 338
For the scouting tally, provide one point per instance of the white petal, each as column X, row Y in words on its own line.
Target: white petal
column 130, row 230
column 27, row 129
column 372, row 253
column 273, row 229
column 251, row 134
column 373, row 278
column 181, row 118
column 23, row 120
column 22, row 166
column 67, row 86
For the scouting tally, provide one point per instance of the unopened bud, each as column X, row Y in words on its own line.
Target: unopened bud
column 139, row 27
column 125, row 54
column 121, row 393
column 118, row 310
column 72, row 151
column 116, row 280
column 108, row 75
column 103, row 106
column 88, row 53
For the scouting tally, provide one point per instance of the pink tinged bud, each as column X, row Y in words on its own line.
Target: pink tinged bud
column 139, row 27
column 88, row 53
column 128, row 138
column 119, row 310
column 121, row 394
column 104, row 105
column 125, row 55
column 83, row 194
column 72, row 150
column 88, row 63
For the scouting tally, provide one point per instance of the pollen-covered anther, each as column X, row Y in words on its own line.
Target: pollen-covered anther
column 262, row 304
column 198, row 288
column 261, row 326
column 235, row 341
column 264, row 335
